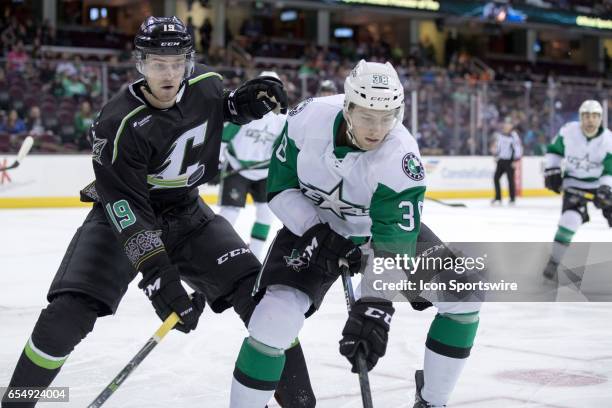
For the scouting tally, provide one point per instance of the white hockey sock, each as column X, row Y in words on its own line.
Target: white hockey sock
column 242, row 396
column 441, row 374
column 274, row 325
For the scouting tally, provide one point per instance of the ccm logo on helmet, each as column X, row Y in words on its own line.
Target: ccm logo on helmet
column 380, row 98
column 169, row 44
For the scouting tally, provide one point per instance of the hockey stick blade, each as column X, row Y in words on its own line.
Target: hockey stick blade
column 23, row 151
column 457, row 205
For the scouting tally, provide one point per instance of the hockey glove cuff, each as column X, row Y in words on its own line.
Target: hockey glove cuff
column 164, row 290
column 553, row 179
column 324, row 247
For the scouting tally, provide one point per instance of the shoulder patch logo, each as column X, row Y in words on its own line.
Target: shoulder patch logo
column 97, row 147
column 413, row 167
column 300, row 107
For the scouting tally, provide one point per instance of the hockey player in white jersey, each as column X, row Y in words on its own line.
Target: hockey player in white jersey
column 585, row 148
column 249, row 147
column 345, row 175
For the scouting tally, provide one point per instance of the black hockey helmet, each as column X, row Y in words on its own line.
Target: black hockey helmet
column 163, row 35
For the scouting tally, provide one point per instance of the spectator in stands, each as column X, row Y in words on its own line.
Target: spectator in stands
column 13, row 124
column 17, row 58
column 73, row 86
column 34, row 124
column 66, row 66
column 190, row 27
column 8, row 37
column 126, row 53
column 82, row 121
column 206, row 35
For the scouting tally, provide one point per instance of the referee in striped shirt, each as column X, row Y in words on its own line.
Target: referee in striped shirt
column 508, row 150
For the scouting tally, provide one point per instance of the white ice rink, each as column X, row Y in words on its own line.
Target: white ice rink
column 526, row 355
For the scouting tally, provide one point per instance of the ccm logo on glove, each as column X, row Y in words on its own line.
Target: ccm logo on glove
column 378, row 314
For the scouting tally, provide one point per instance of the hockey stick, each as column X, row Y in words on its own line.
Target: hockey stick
column 23, row 151
column 435, row 200
column 364, row 381
column 166, row 326
column 255, row 166
column 584, row 194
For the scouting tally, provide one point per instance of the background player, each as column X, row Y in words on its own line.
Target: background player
column 508, row 150
column 585, row 148
column 153, row 144
column 327, row 87
column 247, row 146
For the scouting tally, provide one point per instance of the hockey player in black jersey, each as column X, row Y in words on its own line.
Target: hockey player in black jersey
column 153, row 144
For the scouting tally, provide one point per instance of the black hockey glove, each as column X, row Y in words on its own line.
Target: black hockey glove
column 367, row 329
column 324, row 247
column 603, row 197
column 164, row 290
column 553, row 179
column 255, row 98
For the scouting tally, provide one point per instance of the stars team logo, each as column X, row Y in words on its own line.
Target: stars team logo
column 98, row 147
column 263, row 136
column 413, row 167
column 333, row 201
column 582, row 163
column 295, row 261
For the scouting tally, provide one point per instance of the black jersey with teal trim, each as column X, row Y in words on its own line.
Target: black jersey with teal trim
column 147, row 160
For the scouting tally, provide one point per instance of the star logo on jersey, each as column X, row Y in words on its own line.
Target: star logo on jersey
column 98, row 145
column 333, row 201
column 295, row 261
column 582, row 163
column 263, row 136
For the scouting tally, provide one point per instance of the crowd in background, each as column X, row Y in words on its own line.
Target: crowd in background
column 55, row 96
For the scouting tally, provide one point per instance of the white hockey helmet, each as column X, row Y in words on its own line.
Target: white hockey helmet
column 270, row 74
column 590, row 106
column 375, row 86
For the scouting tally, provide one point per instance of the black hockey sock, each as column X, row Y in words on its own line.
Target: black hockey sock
column 60, row 327
column 28, row 374
column 294, row 389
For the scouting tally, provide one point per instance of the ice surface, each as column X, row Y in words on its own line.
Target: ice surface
column 526, row 355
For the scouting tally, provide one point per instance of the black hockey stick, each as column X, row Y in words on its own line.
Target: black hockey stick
column 166, row 326
column 435, row 200
column 584, row 194
column 364, row 381
column 23, row 151
column 255, row 166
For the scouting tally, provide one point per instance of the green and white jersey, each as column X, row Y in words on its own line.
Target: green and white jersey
column 375, row 194
column 588, row 162
column 252, row 143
